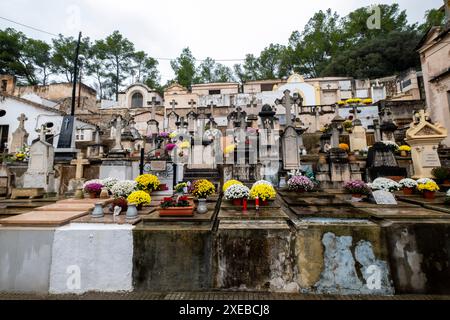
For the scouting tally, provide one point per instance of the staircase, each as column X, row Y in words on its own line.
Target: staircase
column 212, row 175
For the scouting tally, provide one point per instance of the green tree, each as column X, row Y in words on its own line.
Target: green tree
column 272, row 62
column 211, row 71
column 145, row 69
column 119, row 54
column 63, row 57
column 249, row 70
column 184, row 68
column 38, row 54
column 433, row 17
column 98, row 68
column 223, row 73
column 377, row 57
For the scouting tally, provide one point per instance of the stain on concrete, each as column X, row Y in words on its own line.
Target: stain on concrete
column 25, row 258
column 340, row 274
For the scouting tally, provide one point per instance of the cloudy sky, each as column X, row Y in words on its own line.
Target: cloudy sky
column 211, row 28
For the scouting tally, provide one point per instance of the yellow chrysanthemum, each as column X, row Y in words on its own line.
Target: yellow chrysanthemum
column 229, row 149
column 404, row 148
column 429, row 186
column 147, row 182
column 262, row 191
column 139, row 197
column 229, row 183
column 203, row 188
column 185, row 145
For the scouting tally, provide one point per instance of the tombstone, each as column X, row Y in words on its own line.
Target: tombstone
column 78, row 182
column 388, row 125
column 290, row 156
column 163, row 169
column 40, row 173
column 172, row 117
column 20, row 136
column 384, row 197
column 95, row 149
column 424, row 138
column 358, row 140
column 66, row 149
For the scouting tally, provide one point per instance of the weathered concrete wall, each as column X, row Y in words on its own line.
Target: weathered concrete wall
column 172, row 259
column 420, row 256
column 101, row 254
column 341, row 257
column 25, row 258
column 252, row 255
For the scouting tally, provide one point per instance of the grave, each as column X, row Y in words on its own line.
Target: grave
column 20, row 136
column 424, row 138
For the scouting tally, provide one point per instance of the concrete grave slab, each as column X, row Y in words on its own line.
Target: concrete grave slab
column 407, row 213
column 42, row 218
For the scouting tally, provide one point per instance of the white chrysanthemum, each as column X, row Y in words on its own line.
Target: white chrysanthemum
column 237, row 191
column 408, row 183
column 109, row 182
column 262, row 182
column 385, row 184
column 123, row 188
column 424, row 180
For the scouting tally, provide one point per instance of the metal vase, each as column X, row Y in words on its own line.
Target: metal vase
column 201, row 207
column 98, row 211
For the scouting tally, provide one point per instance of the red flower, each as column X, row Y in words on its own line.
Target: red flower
column 183, row 198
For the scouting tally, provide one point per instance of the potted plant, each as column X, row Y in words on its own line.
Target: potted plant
column 230, row 183
column 175, row 206
column 121, row 190
column 428, row 187
column 236, row 193
column 262, row 191
column 408, row 186
column 300, row 184
column 391, row 145
column 202, row 189
column 441, row 174
column 404, row 150
column 108, row 183
column 147, row 182
column 138, row 199
column 385, row 184
column 344, row 147
column 356, row 188
column 93, row 187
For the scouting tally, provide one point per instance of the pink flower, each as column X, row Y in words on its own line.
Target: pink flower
column 170, row 146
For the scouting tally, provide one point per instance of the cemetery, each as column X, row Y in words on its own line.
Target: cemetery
column 248, row 209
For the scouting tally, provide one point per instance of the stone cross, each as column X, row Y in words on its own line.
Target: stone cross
column 355, row 111
column 287, row 102
column 192, row 103
column 173, row 104
column 211, row 105
column 79, row 162
column 376, row 128
column 22, row 120
column 252, row 104
column 153, row 103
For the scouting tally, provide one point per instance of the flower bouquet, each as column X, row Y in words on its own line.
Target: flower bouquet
column 428, row 188
column 263, row 191
column 181, row 188
column 93, row 187
column 237, row 193
column 139, row 198
column 262, row 182
column 176, row 206
column 147, row 182
column 357, row 188
column 123, row 189
column 408, row 185
column 202, row 188
column 404, row 150
column 300, row 183
column 230, row 183
column 385, row 184
column 108, row 183
column 344, row 147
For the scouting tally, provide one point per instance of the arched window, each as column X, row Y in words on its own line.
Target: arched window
column 137, row 100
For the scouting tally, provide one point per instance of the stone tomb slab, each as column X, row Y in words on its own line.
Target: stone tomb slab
column 287, row 193
column 406, row 213
column 311, row 200
column 264, row 214
column 198, row 219
column 250, row 205
column 369, row 205
column 43, row 218
column 66, row 207
column 339, row 212
column 439, row 207
column 419, row 200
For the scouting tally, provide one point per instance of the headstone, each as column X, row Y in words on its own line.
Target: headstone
column 78, row 182
column 20, row 136
column 358, row 139
column 424, row 138
column 384, row 197
column 40, row 173
column 66, row 141
column 291, row 157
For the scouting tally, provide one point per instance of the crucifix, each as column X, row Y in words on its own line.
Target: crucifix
column 79, row 162
column 22, row 120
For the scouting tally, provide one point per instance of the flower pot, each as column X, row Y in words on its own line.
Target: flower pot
column 201, row 207
column 408, row 191
column 140, row 206
column 403, row 153
column 132, row 211
column 176, row 211
column 237, row 202
column 430, row 195
column 264, row 202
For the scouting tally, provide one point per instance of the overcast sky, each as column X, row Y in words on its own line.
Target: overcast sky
column 225, row 29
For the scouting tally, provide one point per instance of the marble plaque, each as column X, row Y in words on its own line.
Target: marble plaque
column 384, row 197
column 430, row 159
column 158, row 165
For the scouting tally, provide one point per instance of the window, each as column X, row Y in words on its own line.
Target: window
column 214, row 92
column 266, row 87
column 137, row 100
column 80, row 135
